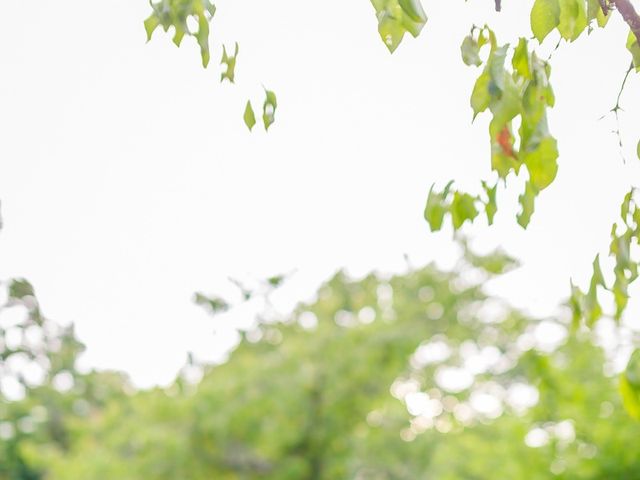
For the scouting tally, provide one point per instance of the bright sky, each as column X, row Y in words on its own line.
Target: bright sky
column 128, row 180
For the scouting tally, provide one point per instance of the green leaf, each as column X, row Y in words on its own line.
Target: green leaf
column 597, row 278
column 275, row 281
column 624, row 207
column 20, row 288
column 203, row 38
column 634, row 48
column 463, row 208
column 269, row 109
column 480, row 96
column 230, row 62
column 527, row 200
column 491, row 207
column 413, row 8
column 249, row 116
column 594, row 11
column 573, row 19
column 638, row 150
column 545, row 16
column 150, row 24
column 542, row 163
column 213, row 304
column 470, row 51
column 602, row 19
column 435, row 209
column 520, row 59
column 391, row 32
column 506, row 106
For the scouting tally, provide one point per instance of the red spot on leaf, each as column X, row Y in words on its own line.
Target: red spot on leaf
column 506, row 142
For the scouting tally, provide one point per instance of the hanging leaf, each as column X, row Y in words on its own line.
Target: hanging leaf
column 269, row 109
column 491, row 207
column 634, row 48
column 527, row 200
column 463, row 208
column 545, row 16
column 175, row 13
column 470, row 51
column 213, row 304
column 397, row 17
column 230, row 62
column 249, row 116
column 20, row 288
column 436, row 208
column 573, row 19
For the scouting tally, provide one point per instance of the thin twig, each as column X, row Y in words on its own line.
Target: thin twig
column 617, row 108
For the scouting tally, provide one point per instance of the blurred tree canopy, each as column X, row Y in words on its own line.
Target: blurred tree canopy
column 415, row 376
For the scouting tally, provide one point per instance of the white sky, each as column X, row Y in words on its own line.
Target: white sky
column 128, row 180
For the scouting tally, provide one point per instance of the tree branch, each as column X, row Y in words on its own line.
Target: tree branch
column 630, row 16
column 498, row 5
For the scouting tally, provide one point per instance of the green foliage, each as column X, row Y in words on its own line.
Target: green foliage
column 249, row 116
column 397, row 17
column 545, row 16
column 175, row 13
column 630, row 385
column 269, row 109
column 212, row 303
column 352, row 386
column 634, row 49
column 42, row 393
column 625, row 271
column 230, row 62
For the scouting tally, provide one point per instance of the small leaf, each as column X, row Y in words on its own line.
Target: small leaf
column 527, row 200
column 20, row 288
column 480, row 96
column 203, row 38
column 463, row 208
column 413, row 8
column 150, row 24
column 397, row 17
column 249, row 116
column 269, row 109
column 230, row 62
column 214, row 304
column 520, row 59
column 275, row 281
column 545, row 16
column 542, row 163
column 491, row 207
column 573, row 19
column 435, row 209
column 638, row 149
column 470, row 51
column 602, row 19
column 634, row 48
column 391, row 31
column 597, row 278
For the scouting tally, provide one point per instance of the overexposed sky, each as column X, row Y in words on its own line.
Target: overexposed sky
column 128, row 180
